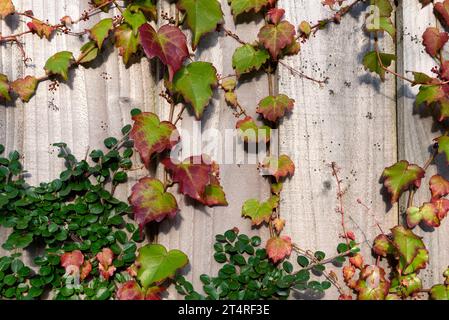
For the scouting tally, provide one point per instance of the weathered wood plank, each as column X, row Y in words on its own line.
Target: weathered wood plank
column 93, row 105
column 417, row 131
column 194, row 230
column 350, row 121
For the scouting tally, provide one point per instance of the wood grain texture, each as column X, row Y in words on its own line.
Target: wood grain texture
column 351, row 121
column 417, row 129
column 194, row 229
column 94, row 104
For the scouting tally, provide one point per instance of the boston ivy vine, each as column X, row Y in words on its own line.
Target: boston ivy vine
column 88, row 247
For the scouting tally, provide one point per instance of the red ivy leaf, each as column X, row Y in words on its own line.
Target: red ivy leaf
column 434, row 40
column 439, row 187
column 274, row 107
column 198, row 178
column 427, row 213
column 150, row 202
column 442, row 206
column 105, row 258
column 169, row 44
column 40, row 28
column 277, row 37
column 442, row 10
column 72, row 261
column 275, row 15
column 400, row 176
column 130, row 290
column 278, row 248
column 152, row 136
column 86, row 268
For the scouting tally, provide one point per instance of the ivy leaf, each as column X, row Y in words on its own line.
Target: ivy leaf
column 439, row 292
column 154, row 264
column 134, row 18
column 372, row 284
column 442, row 206
column 195, row 82
column 59, row 64
column 385, row 8
column 198, row 178
column 240, row 6
column 443, row 145
column 105, row 258
column 100, row 31
column 421, row 78
column 72, row 261
column 427, row 213
column 385, row 24
column 371, row 62
column 434, row 40
column 25, row 87
column 248, row 58
column 274, row 107
column 202, row 16
column 214, row 195
column 259, row 212
column 148, row 7
column 152, row 136
column 412, row 253
column 442, row 10
column 279, row 168
column 89, row 51
column 130, row 290
column 250, row 132
column 383, row 246
column 6, row 8
column 40, row 28
column 150, row 202
column 126, row 42
column 439, row 187
column 4, row 87
column 278, row 248
column 277, row 37
column 429, row 94
column 275, row 15
column 406, row 285
column 169, row 44
column 400, row 176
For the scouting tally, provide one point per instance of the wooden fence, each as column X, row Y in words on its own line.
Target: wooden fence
column 355, row 120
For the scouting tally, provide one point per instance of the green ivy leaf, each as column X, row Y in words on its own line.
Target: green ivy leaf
column 429, row 94
column 126, row 42
column 443, row 145
column 439, row 292
column 400, row 176
column 250, row 132
column 134, row 18
column 248, row 58
column 279, row 167
column 427, row 213
column 195, row 83
column 59, row 64
column 150, row 202
column 384, row 6
column 4, row 87
column 259, row 212
column 385, row 24
column 155, row 264
column 372, row 284
column 371, row 62
column 202, row 16
column 89, row 51
column 100, row 31
column 148, row 7
column 152, row 136
column 412, row 253
column 240, row 6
